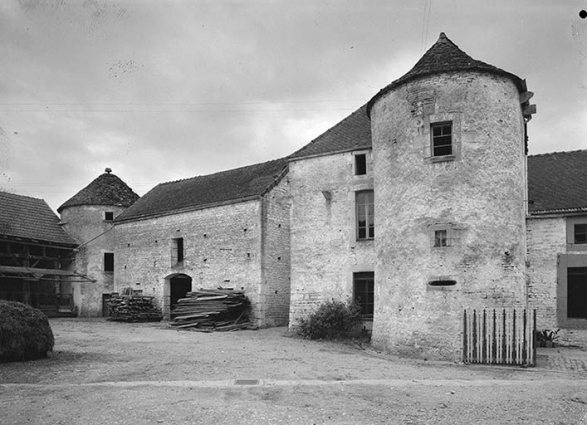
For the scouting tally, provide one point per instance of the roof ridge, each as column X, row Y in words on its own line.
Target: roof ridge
column 557, row 152
column 223, row 171
column 22, row 196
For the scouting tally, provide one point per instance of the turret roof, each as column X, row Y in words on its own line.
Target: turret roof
column 445, row 56
column 106, row 189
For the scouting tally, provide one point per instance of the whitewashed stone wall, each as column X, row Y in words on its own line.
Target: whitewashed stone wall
column 548, row 239
column 478, row 196
column 96, row 236
column 223, row 245
column 324, row 248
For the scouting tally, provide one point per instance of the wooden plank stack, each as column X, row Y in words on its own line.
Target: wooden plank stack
column 208, row 310
column 133, row 308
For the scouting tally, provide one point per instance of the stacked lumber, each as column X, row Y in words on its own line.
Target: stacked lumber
column 208, row 310
column 133, row 308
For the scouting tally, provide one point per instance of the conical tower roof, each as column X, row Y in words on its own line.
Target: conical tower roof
column 106, row 189
column 445, row 56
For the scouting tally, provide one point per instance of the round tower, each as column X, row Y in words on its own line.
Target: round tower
column 88, row 217
column 450, row 188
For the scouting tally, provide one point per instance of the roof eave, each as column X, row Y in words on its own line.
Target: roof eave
column 148, row 216
column 557, row 212
column 317, row 155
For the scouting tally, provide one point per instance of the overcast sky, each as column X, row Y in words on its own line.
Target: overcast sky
column 166, row 90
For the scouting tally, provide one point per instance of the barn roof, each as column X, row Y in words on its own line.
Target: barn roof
column 206, row 191
column 557, row 182
column 445, row 56
column 32, row 219
column 352, row 133
column 106, row 189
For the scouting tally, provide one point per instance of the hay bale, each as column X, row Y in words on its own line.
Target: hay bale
column 25, row 333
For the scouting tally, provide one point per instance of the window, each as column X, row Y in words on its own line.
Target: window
column 108, row 261
column 441, row 135
column 580, row 233
column 177, row 253
column 360, row 164
column 440, row 238
column 363, row 292
column 108, row 216
column 365, row 215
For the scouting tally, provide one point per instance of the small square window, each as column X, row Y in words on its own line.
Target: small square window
column 108, row 216
column 581, row 233
column 441, row 139
column 360, row 164
column 440, row 238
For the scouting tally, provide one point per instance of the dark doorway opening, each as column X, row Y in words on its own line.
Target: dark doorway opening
column 577, row 293
column 180, row 285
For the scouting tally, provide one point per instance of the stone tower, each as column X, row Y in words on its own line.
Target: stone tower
column 88, row 217
column 449, row 148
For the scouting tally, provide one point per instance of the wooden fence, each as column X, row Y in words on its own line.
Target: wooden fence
column 499, row 337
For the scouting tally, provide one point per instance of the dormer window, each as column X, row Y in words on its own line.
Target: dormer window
column 108, row 216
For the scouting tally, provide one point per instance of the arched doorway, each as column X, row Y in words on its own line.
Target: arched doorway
column 179, row 286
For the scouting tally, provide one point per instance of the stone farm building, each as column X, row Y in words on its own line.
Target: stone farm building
column 420, row 204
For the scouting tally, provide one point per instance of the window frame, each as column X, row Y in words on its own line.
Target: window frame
column 369, row 215
column 571, row 228
column 108, row 262
column 177, row 251
column 433, row 138
column 583, row 233
column 361, row 165
column 442, row 241
column 366, row 278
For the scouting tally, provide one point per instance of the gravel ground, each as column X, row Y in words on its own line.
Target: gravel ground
column 117, row 373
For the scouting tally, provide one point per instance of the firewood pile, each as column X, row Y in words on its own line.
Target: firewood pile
column 133, row 308
column 208, row 310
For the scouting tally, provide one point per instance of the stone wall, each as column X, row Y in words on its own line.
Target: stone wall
column 96, row 236
column 275, row 256
column 222, row 248
column 324, row 248
column 546, row 240
column 477, row 196
column 549, row 243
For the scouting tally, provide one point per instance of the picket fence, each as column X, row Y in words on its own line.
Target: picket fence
column 499, row 337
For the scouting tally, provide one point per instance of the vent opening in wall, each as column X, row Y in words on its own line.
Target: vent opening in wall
column 442, row 282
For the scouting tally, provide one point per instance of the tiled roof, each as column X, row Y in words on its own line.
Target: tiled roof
column 557, row 182
column 30, row 218
column 353, row 132
column 106, row 189
column 205, row 191
column 445, row 56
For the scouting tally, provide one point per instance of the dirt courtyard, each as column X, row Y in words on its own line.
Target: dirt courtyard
column 105, row 372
